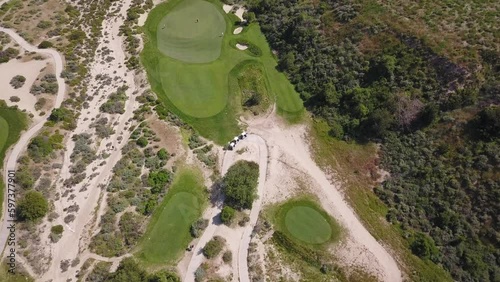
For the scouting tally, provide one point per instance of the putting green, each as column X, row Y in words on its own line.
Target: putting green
column 192, row 32
column 308, row 225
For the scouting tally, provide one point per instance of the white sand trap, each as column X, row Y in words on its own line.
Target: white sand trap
column 227, row 8
column 30, row 70
column 239, row 13
column 238, row 30
column 241, row 46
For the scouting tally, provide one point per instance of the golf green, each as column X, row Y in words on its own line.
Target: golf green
column 192, row 32
column 308, row 225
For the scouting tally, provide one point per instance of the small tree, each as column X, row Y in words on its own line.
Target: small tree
column 32, row 206
column 17, row 81
column 240, row 183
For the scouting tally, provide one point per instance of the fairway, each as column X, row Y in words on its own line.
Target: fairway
column 193, row 68
column 308, row 225
column 168, row 232
column 4, row 133
column 192, row 32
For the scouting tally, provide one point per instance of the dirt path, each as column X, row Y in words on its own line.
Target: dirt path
column 213, row 212
column 19, row 147
column 292, row 141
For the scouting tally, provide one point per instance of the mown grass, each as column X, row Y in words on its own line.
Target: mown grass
column 12, row 122
column 279, row 216
column 355, row 165
column 202, row 94
column 168, row 233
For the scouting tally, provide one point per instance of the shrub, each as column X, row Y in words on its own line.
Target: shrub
column 57, row 229
column 142, row 142
column 32, row 206
column 227, row 256
column 17, row 81
column 14, row 99
column 227, row 215
column 213, row 247
column 45, row 44
column 162, row 154
column 197, row 227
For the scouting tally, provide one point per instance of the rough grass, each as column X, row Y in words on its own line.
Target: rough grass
column 355, row 166
column 168, row 232
column 191, row 32
column 201, row 94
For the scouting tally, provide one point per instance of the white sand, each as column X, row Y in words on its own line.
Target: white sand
column 30, row 70
column 239, row 13
column 238, row 30
column 241, row 46
column 227, row 8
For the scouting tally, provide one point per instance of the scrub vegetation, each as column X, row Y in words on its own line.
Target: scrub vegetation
column 416, row 87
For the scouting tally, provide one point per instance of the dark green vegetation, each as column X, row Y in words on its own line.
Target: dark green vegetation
column 227, row 215
column 17, row 81
column 213, row 247
column 206, row 95
column 373, row 75
column 129, row 270
column 32, row 206
column 168, row 233
column 240, row 184
column 12, row 122
column 8, row 54
column 301, row 247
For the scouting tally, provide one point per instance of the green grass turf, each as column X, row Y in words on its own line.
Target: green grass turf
column 191, row 32
column 308, row 225
column 305, row 222
column 12, row 122
column 168, row 232
column 204, row 95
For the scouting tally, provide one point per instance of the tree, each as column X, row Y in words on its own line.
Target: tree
column 488, row 122
column 227, row 215
column 32, row 206
column 164, row 276
column 240, row 183
column 424, row 247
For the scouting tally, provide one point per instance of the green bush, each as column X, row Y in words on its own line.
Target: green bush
column 240, row 184
column 213, row 247
column 142, row 142
column 57, row 229
column 32, row 206
column 227, row 215
column 45, row 44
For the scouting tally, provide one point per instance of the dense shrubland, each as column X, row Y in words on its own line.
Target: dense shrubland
column 371, row 77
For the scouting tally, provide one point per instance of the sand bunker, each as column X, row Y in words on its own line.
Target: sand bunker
column 238, row 30
column 241, row 46
column 227, row 8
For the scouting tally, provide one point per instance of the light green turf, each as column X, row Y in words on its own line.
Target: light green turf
column 204, row 95
column 12, row 122
column 308, row 225
column 4, row 132
column 192, row 32
column 168, row 232
column 305, row 222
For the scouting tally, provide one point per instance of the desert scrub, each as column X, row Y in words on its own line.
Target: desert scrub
column 116, row 102
column 213, row 247
column 17, row 81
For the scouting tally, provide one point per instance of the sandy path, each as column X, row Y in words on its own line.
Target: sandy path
column 229, row 159
column 292, row 141
column 13, row 155
column 75, row 244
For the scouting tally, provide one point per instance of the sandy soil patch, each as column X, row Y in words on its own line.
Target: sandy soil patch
column 241, row 46
column 239, row 13
column 238, row 30
column 30, row 70
column 227, row 8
